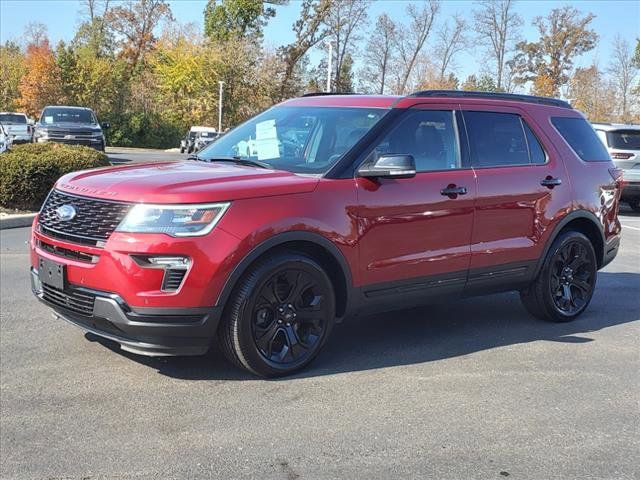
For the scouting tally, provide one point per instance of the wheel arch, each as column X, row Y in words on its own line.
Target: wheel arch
column 582, row 221
column 315, row 245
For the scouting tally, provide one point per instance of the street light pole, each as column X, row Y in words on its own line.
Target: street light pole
column 329, row 65
column 221, row 83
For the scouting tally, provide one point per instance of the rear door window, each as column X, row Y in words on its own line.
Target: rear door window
column 582, row 138
column 501, row 139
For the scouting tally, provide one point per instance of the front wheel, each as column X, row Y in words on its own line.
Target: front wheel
column 279, row 316
column 564, row 287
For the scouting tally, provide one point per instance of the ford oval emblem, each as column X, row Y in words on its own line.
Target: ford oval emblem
column 66, row 212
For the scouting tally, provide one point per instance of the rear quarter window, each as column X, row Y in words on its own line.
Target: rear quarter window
column 582, row 138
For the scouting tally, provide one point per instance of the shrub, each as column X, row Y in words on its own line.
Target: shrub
column 28, row 172
column 145, row 130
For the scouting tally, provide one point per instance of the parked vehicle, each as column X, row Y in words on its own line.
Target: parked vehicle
column 376, row 203
column 70, row 125
column 5, row 139
column 17, row 127
column 187, row 144
column 623, row 143
column 203, row 139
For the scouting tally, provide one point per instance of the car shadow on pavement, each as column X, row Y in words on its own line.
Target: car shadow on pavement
column 429, row 333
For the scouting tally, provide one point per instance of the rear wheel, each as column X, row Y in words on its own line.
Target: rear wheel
column 279, row 316
column 564, row 287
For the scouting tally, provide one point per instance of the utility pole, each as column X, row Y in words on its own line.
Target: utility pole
column 221, row 83
column 329, row 64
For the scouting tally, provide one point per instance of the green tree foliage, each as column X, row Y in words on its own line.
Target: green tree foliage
column 12, row 69
column 224, row 19
column 483, row 83
column 563, row 35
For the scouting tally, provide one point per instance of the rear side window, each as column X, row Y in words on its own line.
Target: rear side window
column 582, row 138
column 501, row 139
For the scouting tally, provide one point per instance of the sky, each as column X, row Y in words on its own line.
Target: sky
column 612, row 17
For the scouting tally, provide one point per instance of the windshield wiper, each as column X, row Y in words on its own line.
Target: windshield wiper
column 237, row 161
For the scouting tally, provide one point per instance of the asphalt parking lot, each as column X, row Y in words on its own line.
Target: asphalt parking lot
column 471, row 389
column 124, row 156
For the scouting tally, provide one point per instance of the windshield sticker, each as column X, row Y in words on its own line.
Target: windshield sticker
column 266, row 129
column 48, row 119
column 266, row 143
column 267, row 148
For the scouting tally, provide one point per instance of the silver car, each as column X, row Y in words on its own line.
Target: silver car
column 623, row 143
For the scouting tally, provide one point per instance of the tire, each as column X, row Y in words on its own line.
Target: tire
column 279, row 315
column 564, row 287
column 181, row 150
column 635, row 204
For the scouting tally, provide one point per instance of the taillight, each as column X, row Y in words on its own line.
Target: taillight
column 618, row 176
column 621, row 156
column 28, row 129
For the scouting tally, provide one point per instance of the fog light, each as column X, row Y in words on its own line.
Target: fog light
column 162, row 262
column 175, row 269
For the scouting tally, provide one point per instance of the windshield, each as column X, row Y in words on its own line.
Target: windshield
column 297, row 139
column 14, row 118
column 624, row 139
column 67, row 115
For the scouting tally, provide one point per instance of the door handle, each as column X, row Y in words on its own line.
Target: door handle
column 550, row 182
column 452, row 191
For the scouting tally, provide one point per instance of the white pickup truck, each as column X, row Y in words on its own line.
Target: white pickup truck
column 17, row 127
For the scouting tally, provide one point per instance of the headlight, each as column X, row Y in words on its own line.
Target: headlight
column 175, row 220
column 41, row 133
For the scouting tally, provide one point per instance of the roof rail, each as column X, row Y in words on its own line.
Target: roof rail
column 493, row 95
column 322, row 94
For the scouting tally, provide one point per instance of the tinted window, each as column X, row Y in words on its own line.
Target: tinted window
column 536, row 153
column 581, row 138
column 428, row 135
column 624, row 139
column 496, row 139
column 12, row 118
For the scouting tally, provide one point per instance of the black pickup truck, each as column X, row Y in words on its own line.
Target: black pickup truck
column 71, row 125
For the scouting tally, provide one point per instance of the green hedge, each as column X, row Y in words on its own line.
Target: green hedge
column 143, row 130
column 27, row 172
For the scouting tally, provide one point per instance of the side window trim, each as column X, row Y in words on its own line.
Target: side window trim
column 526, row 127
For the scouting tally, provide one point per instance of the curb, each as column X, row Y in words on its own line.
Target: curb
column 17, row 221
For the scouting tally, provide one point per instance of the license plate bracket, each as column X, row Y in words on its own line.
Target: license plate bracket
column 51, row 273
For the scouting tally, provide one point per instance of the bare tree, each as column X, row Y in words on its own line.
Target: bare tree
column 36, row 33
column 345, row 19
column 134, row 21
column 378, row 55
column 451, row 41
column 497, row 24
column 309, row 32
column 410, row 39
column 623, row 71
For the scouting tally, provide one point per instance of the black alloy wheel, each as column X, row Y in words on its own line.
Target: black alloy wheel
column 564, row 287
column 289, row 316
column 572, row 278
column 279, row 316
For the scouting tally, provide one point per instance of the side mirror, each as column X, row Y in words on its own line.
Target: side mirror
column 105, row 125
column 389, row 166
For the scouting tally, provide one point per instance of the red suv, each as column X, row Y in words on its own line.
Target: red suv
column 324, row 206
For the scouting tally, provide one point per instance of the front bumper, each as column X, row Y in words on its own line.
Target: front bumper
column 145, row 331
column 16, row 139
